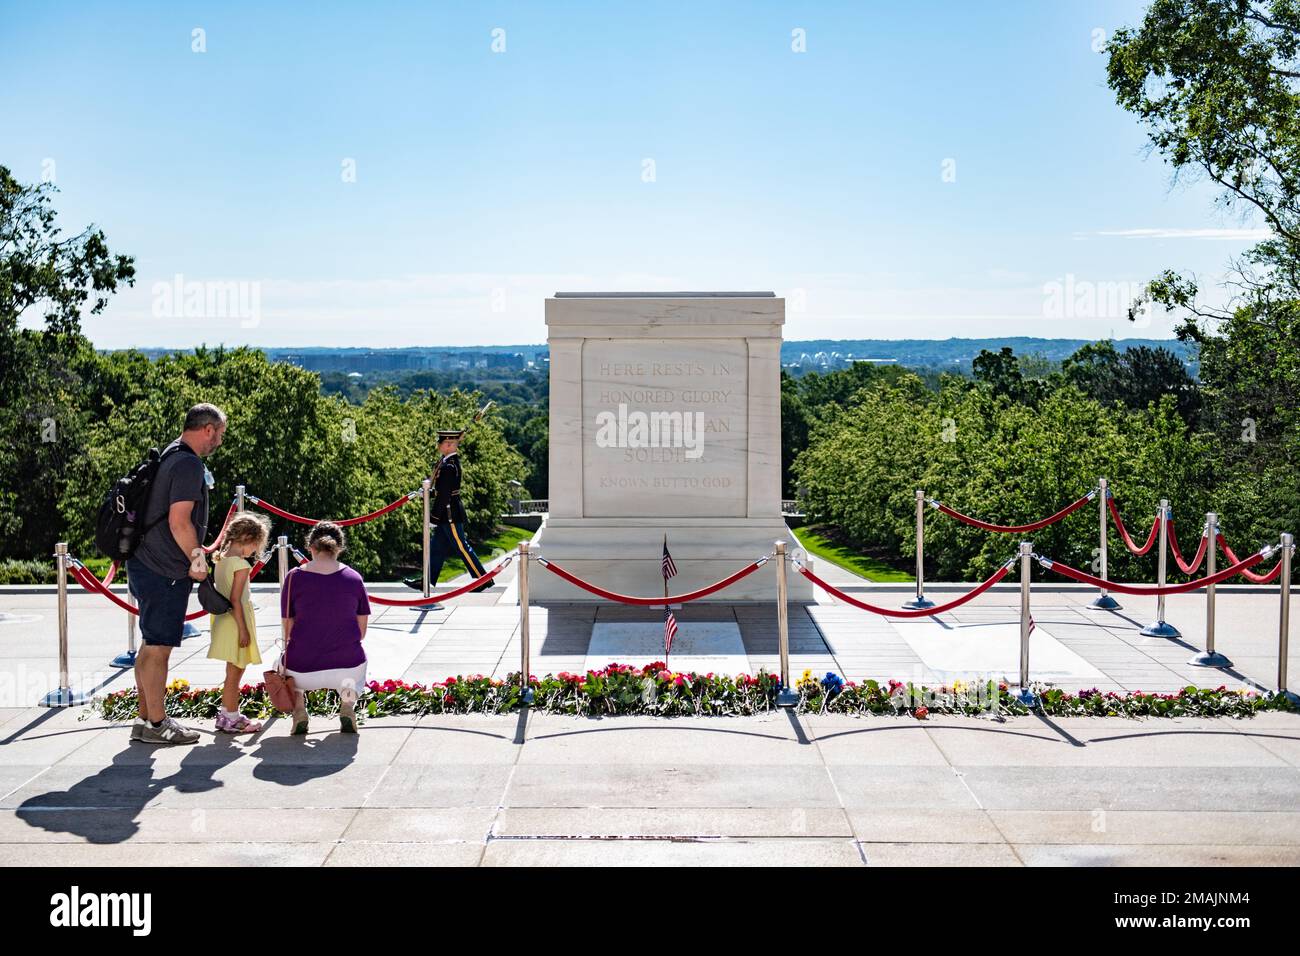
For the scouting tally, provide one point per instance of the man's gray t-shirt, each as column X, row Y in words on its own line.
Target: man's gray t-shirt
column 181, row 477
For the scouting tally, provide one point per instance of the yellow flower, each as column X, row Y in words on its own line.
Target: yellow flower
column 959, row 686
column 179, row 683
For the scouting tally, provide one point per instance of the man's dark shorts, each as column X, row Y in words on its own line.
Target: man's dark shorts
column 163, row 602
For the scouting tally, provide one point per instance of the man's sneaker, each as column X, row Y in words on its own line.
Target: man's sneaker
column 137, row 728
column 169, row 733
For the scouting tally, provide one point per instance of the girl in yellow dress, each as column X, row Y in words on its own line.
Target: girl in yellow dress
column 234, row 634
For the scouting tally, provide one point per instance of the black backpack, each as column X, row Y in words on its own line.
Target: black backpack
column 119, row 527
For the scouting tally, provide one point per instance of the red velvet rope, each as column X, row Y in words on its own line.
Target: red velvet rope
column 208, row 549
column 112, row 573
column 913, row 612
column 95, row 586
column 1123, row 531
column 1017, row 528
column 392, row 506
column 652, row 602
column 1251, row 575
column 1183, row 564
column 1066, row 571
column 446, row 595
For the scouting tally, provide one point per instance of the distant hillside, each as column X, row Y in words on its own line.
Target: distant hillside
column 957, row 353
column 813, row 354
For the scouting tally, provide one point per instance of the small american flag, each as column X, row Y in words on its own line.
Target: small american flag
column 670, row 630
column 1031, row 624
column 669, row 569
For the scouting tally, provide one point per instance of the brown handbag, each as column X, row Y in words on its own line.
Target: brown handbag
column 279, row 686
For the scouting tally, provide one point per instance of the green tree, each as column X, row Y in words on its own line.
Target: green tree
column 1216, row 84
column 1135, row 377
column 46, row 374
column 41, row 268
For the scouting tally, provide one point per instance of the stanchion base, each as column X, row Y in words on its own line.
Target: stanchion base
column 190, row 630
column 528, row 696
column 1210, row 659
column 918, row 604
column 1105, row 602
column 125, row 659
column 1027, row 697
column 63, row 697
column 787, row 698
column 1161, row 629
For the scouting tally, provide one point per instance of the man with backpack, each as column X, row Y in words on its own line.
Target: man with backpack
column 162, row 566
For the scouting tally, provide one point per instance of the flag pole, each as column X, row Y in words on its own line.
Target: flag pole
column 665, row 577
column 667, row 609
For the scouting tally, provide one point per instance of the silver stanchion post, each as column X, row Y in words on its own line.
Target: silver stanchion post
column 239, row 498
column 787, row 696
column 1162, row 628
column 424, row 538
column 1025, row 695
column 1284, row 612
column 127, row 659
column 282, row 557
column 526, row 693
column 1103, row 602
column 1210, row 657
column 63, row 696
column 920, row 601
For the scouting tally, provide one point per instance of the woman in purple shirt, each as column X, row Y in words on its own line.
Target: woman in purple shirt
column 325, row 610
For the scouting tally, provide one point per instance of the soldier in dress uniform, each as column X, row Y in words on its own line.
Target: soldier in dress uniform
column 447, row 515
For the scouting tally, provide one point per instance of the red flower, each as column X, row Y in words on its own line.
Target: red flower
column 922, row 713
column 450, row 681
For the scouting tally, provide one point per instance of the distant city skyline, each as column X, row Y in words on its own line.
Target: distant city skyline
column 428, row 176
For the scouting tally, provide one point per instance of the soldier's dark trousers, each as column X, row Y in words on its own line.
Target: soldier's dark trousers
column 447, row 540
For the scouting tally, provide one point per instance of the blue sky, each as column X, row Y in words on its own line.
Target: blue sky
column 486, row 180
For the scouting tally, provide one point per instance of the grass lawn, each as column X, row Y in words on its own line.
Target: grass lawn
column 504, row 538
column 821, row 542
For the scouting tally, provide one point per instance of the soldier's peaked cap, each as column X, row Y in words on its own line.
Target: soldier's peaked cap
column 446, row 433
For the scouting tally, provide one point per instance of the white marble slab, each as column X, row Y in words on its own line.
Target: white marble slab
column 992, row 651
column 700, row 646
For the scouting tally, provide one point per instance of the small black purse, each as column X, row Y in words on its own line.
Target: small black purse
column 212, row 600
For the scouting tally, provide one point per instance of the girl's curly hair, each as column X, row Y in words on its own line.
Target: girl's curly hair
column 245, row 527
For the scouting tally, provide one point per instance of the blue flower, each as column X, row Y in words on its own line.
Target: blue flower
column 832, row 683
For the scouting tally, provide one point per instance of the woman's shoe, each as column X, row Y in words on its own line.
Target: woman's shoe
column 299, row 721
column 348, row 718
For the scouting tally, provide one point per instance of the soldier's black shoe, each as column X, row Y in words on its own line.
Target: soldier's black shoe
column 415, row 584
column 486, row 586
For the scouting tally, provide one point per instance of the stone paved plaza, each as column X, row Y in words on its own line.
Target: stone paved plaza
column 541, row 789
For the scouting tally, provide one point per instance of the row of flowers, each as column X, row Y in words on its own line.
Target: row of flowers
column 655, row 690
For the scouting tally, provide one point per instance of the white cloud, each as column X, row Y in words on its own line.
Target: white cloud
column 1246, row 235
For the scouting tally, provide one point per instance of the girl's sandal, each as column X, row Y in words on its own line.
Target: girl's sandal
column 239, row 725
